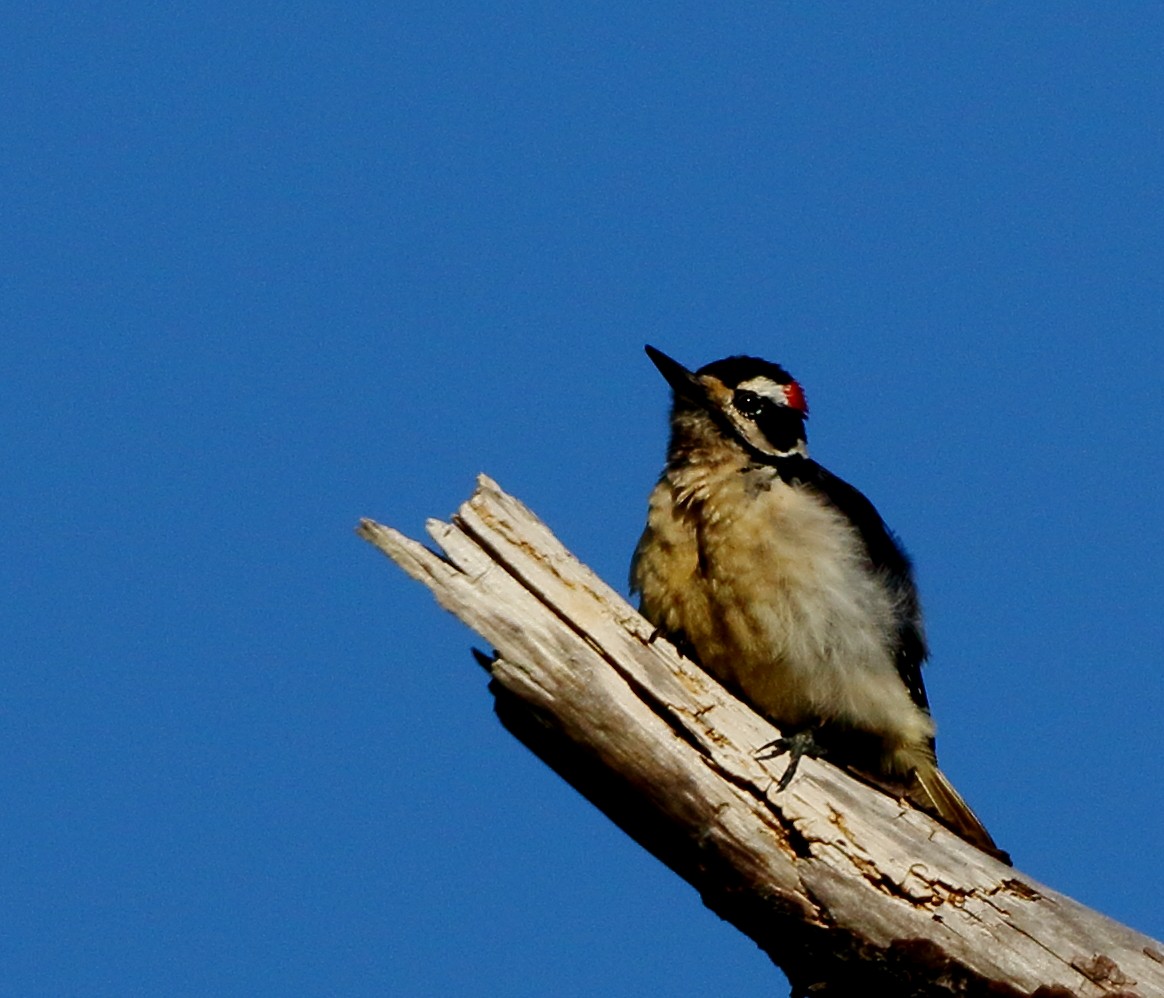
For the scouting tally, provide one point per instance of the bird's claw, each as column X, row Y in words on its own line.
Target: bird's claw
column 796, row 747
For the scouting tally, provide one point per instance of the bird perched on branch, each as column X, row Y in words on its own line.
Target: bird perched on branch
column 785, row 583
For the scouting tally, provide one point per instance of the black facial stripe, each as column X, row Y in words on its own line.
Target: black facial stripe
column 782, row 427
column 749, row 404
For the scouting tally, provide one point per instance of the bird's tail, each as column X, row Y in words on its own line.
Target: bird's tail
column 934, row 794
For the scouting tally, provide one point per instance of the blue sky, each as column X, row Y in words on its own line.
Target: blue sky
column 269, row 269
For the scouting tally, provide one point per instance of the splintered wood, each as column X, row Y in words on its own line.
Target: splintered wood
column 844, row 887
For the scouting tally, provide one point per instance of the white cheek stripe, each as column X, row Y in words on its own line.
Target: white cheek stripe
column 791, row 396
column 766, row 387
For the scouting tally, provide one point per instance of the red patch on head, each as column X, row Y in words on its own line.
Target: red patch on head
column 794, row 397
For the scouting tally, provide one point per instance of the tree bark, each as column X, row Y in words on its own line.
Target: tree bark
column 849, row 891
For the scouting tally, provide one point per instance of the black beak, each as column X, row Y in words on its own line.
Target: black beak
column 678, row 377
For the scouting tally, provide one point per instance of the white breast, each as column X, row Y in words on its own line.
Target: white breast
column 781, row 600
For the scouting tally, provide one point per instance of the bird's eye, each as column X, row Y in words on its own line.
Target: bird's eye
column 748, row 403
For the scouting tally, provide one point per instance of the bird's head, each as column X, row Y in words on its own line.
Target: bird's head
column 746, row 400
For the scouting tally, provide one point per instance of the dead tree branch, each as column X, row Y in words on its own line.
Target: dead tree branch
column 849, row 891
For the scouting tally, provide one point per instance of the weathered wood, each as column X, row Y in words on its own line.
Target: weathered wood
column 848, row 890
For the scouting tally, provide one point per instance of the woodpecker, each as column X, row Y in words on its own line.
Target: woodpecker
column 784, row 582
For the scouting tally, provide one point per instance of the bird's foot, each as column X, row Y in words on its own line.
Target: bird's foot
column 796, row 747
column 678, row 639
